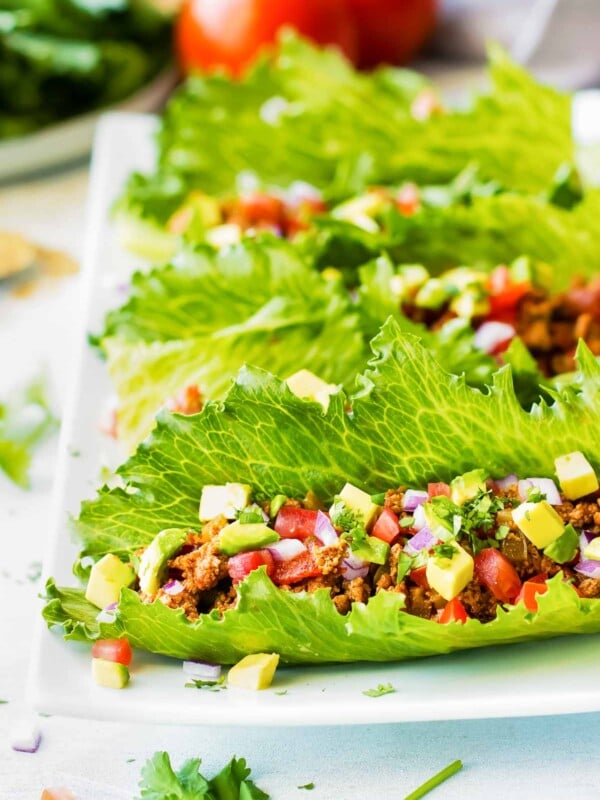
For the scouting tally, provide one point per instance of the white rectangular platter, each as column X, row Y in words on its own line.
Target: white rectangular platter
column 553, row 677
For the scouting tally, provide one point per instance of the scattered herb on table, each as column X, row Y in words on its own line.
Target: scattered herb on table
column 281, row 692
column 308, row 786
column 438, row 778
column 212, row 686
column 383, row 688
column 160, row 781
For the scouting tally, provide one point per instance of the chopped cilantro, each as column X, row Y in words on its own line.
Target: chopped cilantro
column 438, row 778
column 342, row 517
column 129, row 760
column 534, row 495
column 250, row 515
column 308, row 786
column 502, row 532
column 444, row 551
column 383, row 688
column 212, row 686
column 407, row 522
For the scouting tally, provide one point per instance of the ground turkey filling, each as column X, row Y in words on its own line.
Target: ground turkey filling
column 207, row 585
column 549, row 326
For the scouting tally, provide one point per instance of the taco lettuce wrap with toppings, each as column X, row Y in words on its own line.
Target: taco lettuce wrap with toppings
column 272, row 523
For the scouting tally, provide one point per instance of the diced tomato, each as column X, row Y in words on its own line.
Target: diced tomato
column 296, row 569
column 504, row 293
column 437, row 489
column 117, row 650
column 528, row 592
column 407, row 200
column 387, row 527
column 541, row 578
column 259, row 208
column 419, row 576
column 242, row 564
column 496, row 572
column 454, row 611
column 295, row 523
column 59, row 793
column 188, row 401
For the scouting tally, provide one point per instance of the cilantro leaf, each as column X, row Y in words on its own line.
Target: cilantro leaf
column 382, row 688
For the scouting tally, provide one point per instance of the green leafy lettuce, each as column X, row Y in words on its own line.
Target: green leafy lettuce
column 161, row 782
column 409, row 423
column 25, row 420
column 198, row 321
column 291, row 116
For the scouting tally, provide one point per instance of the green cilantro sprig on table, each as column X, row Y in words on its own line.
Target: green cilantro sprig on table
column 161, row 782
column 212, row 686
column 382, row 688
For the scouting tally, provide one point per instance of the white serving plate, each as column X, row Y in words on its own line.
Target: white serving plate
column 552, row 677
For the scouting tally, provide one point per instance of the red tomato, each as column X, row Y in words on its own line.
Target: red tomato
column 407, row 200
column 386, row 528
column 118, row 650
column 437, row 489
column 256, row 209
column 242, row 564
column 496, row 572
column 504, row 293
column 453, row 611
column 391, row 31
column 419, row 576
column 295, row 523
column 228, row 34
column 528, row 592
column 296, row 569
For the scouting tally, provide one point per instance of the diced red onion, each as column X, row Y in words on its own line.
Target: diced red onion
column 547, row 487
column 173, row 588
column 286, row 549
column 324, row 530
column 585, row 537
column 107, row 614
column 423, row 540
column 419, row 518
column 589, row 568
column 492, row 335
column 523, row 488
column 354, row 567
column 504, row 483
column 202, row 670
column 26, row 736
column 413, row 499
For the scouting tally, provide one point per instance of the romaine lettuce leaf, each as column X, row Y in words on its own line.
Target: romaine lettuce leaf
column 199, row 321
column 306, row 628
column 299, row 109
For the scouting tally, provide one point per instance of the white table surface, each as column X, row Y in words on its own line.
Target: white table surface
column 551, row 757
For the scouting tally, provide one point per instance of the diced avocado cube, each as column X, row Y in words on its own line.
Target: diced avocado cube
column 467, row 486
column 463, row 277
column 539, row 522
column 154, row 558
column 238, row 537
column 414, row 275
column 308, row 386
column 372, row 549
column 592, row 550
column 107, row 577
column 360, row 503
column 109, row 673
column 364, row 206
column 470, row 303
column 575, row 475
column 433, row 294
column 434, row 520
column 449, row 576
column 224, row 235
column 225, row 500
column 564, row 549
column 254, row 672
